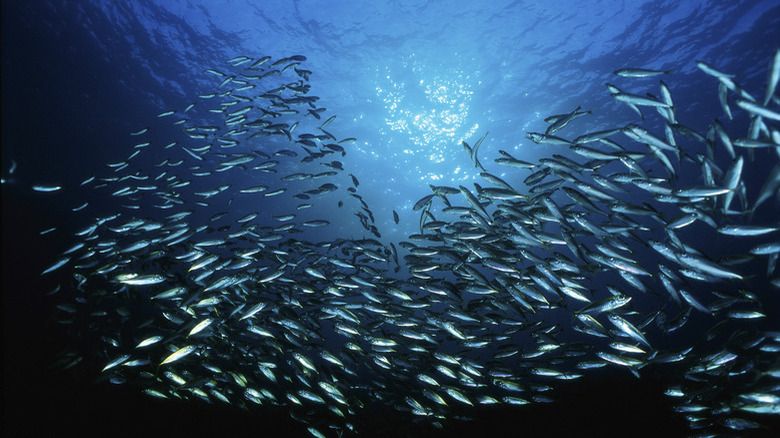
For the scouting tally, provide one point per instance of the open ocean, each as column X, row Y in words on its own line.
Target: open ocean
column 391, row 218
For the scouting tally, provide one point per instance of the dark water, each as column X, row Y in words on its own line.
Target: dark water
column 409, row 82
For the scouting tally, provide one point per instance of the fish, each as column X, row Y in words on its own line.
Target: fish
column 57, row 265
column 474, row 158
column 200, row 326
column 178, row 354
column 746, row 230
column 505, row 288
column 640, row 72
column 773, row 77
column 139, row 279
column 706, row 68
column 628, row 328
column 46, row 189
column 539, row 138
column 637, row 100
column 149, row 341
column 561, row 121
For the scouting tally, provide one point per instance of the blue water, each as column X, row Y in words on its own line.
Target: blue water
column 409, row 80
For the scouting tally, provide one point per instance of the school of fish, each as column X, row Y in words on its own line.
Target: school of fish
column 536, row 274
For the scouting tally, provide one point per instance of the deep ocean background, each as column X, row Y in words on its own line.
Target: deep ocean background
column 408, row 79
